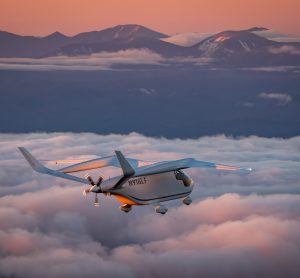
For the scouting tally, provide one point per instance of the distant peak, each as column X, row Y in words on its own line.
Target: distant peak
column 134, row 30
column 257, row 29
column 56, row 35
column 8, row 33
column 130, row 26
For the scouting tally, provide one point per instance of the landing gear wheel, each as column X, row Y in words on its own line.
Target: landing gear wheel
column 187, row 200
column 126, row 208
column 161, row 209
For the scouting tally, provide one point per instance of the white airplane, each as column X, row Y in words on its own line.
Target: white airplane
column 142, row 182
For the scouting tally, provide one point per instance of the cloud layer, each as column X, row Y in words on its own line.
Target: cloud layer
column 98, row 61
column 245, row 224
column 286, row 49
column 275, row 36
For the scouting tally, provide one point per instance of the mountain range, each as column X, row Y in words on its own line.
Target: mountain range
column 227, row 48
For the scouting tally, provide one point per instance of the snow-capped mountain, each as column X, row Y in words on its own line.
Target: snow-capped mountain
column 233, row 48
column 232, row 42
column 247, row 48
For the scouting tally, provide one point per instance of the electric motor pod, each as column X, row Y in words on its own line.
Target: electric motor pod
column 180, row 175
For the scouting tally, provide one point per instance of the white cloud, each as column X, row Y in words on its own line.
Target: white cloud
column 295, row 69
column 285, row 49
column 187, row 39
column 98, row 61
column 147, row 91
column 248, row 104
column 280, row 98
column 246, row 224
column 275, row 36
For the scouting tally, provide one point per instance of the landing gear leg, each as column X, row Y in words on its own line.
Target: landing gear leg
column 96, row 203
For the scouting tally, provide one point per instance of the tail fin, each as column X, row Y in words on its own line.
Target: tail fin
column 127, row 169
column 125, row 165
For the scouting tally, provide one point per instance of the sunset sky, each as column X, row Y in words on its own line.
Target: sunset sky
column 35, row 17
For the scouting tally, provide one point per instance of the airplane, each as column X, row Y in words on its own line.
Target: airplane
column 141, row 182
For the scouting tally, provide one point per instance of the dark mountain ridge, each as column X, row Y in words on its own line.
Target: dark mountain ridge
column 13, row 45
column 233, row 48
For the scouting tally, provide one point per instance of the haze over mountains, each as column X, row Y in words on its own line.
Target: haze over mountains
column 228, row 48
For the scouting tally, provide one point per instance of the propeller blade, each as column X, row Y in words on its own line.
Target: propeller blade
column 89, row 178
column 99, row 181
column 87, row 191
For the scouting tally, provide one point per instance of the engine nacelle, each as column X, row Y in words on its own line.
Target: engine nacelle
column 180, row 175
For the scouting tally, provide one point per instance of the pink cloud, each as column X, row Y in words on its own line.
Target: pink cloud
column 48, row 229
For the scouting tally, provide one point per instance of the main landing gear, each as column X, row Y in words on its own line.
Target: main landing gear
column 161, row 209
column 187, row 200
column 126, row 208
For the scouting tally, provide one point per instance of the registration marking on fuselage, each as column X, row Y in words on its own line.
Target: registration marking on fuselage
column 137, row 181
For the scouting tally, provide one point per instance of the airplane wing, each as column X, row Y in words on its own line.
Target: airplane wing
column 149, row 169
column 37, row 166
column 185, row 163
column 78, row 167
column 63, row 161
column 97, row 163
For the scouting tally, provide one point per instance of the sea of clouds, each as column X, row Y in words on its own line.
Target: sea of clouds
column 239, row 225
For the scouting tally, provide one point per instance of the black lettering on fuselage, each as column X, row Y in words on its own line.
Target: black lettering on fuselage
column 137, row 181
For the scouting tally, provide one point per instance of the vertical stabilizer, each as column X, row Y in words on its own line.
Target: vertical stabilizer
column 127, row 169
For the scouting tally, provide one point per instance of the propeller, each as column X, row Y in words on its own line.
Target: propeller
column 95, row 187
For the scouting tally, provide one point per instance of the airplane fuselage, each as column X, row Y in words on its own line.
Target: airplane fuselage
column 150, row 189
